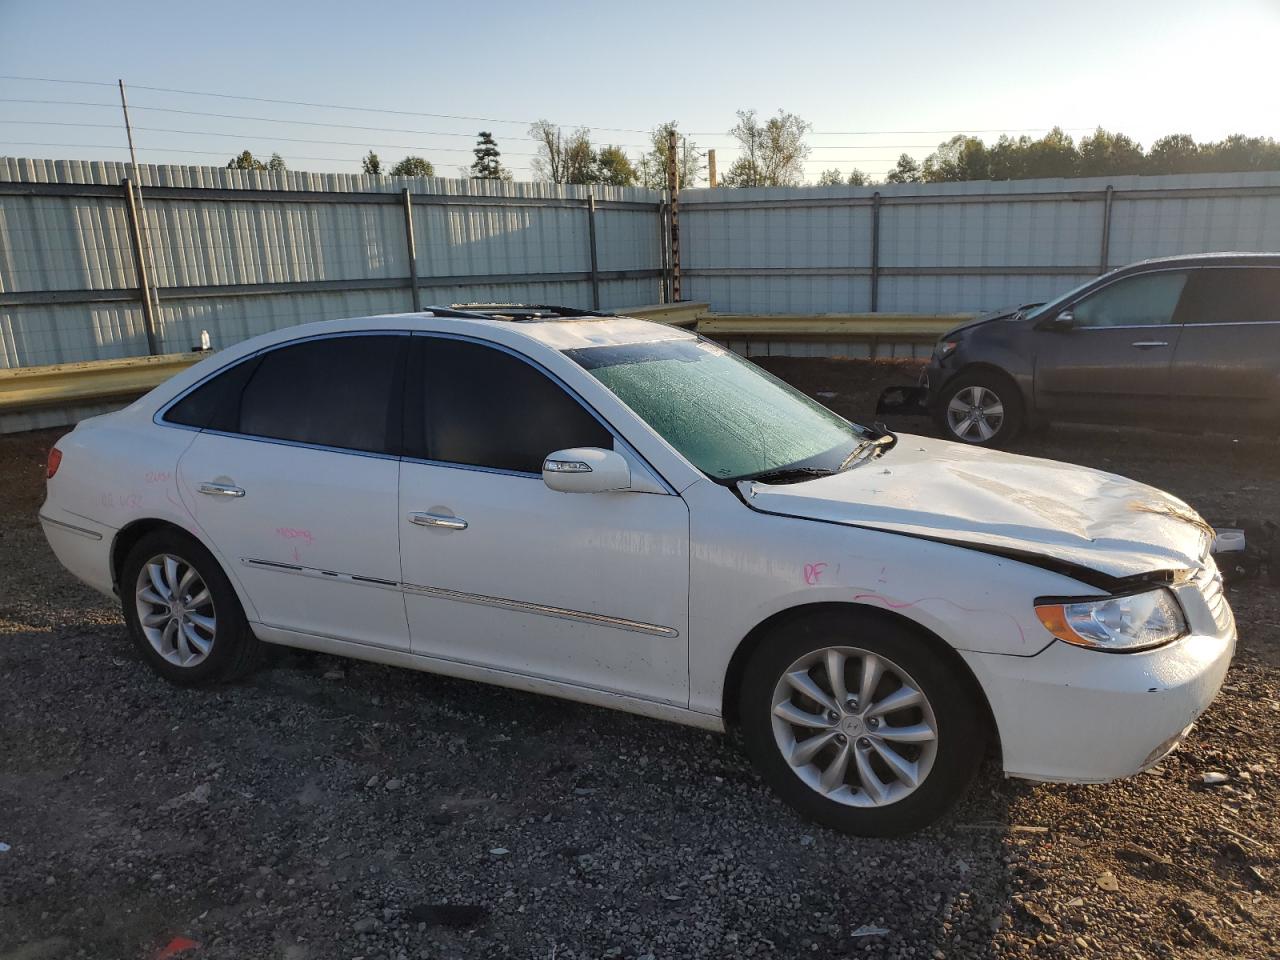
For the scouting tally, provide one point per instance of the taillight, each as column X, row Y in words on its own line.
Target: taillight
column 55, row 461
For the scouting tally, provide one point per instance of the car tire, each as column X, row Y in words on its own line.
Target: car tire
column 981, row 408
column 182, row 613
column 859, row 780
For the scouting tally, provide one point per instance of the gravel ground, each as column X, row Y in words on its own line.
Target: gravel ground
column 327, row 808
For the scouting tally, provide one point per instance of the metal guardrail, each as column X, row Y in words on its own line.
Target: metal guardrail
column 69, row 384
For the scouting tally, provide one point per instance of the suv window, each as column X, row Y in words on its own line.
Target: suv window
column 1231, row 295
column 335, row 392
column 486, row 408
column 1145, row 300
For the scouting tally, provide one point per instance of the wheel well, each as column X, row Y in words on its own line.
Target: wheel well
column 760, row 633
column 127, row 538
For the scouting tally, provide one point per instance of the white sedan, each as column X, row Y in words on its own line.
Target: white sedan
column 625, row 514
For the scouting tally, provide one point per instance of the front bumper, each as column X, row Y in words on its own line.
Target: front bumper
column 1084, row 716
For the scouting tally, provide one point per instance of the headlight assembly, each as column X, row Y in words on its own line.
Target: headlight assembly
column 1137, row 621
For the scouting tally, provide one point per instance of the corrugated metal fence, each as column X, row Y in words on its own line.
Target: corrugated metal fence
column 954, row 247
column 238, row 253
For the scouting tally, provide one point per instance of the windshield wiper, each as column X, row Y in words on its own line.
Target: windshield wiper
column 790, row 474
column 871, row 448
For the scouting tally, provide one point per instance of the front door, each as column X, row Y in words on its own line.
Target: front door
column 1112, row 362
column 502, row 572
column 298, row 489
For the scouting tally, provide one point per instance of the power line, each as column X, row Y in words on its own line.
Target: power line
column 307, row 103
column 116, row 146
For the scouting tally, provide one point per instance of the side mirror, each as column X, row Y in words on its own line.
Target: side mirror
column 1066, row 320
column 586, row 470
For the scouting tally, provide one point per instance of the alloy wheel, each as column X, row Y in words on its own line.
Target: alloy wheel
column 975, row 413
column 175, row 610
column 854, row 726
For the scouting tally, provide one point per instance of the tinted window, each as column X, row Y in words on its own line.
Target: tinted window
column 215, row 404
column 1145, row 300
column 1232, row 295
column 487, row 408
column 337, row 392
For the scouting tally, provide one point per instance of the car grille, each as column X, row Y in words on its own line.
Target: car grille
column 1209, row 580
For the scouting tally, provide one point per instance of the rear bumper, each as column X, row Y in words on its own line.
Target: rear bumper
column 82, row 546
column 1081, row 716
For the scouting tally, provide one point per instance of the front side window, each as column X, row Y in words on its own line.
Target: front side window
column 1145, row 300
column 486, row 408
column 727, row 416
column 334, row 392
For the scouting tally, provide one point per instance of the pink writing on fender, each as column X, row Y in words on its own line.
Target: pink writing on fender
column 813, row 572
column 289, row 533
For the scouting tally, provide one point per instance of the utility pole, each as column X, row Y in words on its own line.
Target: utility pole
column 151, row 299
column 711, row 166
column 673, row 190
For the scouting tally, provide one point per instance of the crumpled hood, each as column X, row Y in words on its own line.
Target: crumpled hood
column 1004, row 502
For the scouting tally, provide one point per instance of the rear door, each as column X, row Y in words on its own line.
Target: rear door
column 1114, row 362
column 296, row 488
column 1227, row 365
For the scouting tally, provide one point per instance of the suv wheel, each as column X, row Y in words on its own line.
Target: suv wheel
column 182, row 612
column 858, row 723
column 982, row 409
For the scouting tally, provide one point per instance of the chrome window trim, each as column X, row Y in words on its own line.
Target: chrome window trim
column 503, row 603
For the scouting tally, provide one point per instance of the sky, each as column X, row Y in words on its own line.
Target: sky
column 873, row 79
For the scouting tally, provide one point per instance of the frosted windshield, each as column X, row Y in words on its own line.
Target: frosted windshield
column 727, row 416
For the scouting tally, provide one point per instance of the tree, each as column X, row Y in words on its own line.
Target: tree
column 905, row 171
column 858, row 178
column 246, row 161
column 1105, row 154
column 830, row 178
column 653, row 165
column 612, row 168
column 276, row 164
column 773, row 152
column 1176, row 153
column 960, row 158
column 562, row 159
column 488, row 162
column 1053, row 155
column 413, row 167
column 371, row 164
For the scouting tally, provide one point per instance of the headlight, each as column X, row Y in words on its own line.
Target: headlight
column 944, row 347
column 1134, row 622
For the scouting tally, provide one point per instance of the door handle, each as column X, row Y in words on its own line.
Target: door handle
column 438, row 520
column 1149, row 344
column 221, row 490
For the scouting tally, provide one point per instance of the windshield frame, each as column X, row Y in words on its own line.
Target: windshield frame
column 1051, row 307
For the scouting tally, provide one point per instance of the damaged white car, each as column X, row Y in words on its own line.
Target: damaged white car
column 625, row 514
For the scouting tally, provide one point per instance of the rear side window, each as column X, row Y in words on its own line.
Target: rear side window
column 1145, row 300
column 1232, row 295
column 337, row 392
column 486, row 408
column 215, row 404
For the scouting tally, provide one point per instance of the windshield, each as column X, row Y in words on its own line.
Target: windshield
column 1052, row 307
column 727, row 416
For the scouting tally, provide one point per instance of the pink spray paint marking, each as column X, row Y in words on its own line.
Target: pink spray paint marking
column 158, row 476
column 291, row 533
column 813, row 573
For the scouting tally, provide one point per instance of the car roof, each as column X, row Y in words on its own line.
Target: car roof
column 1224, row 259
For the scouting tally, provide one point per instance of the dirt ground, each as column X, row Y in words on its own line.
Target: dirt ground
column 331, row 809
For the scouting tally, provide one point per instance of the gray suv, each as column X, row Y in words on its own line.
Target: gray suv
column 1190, row 341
